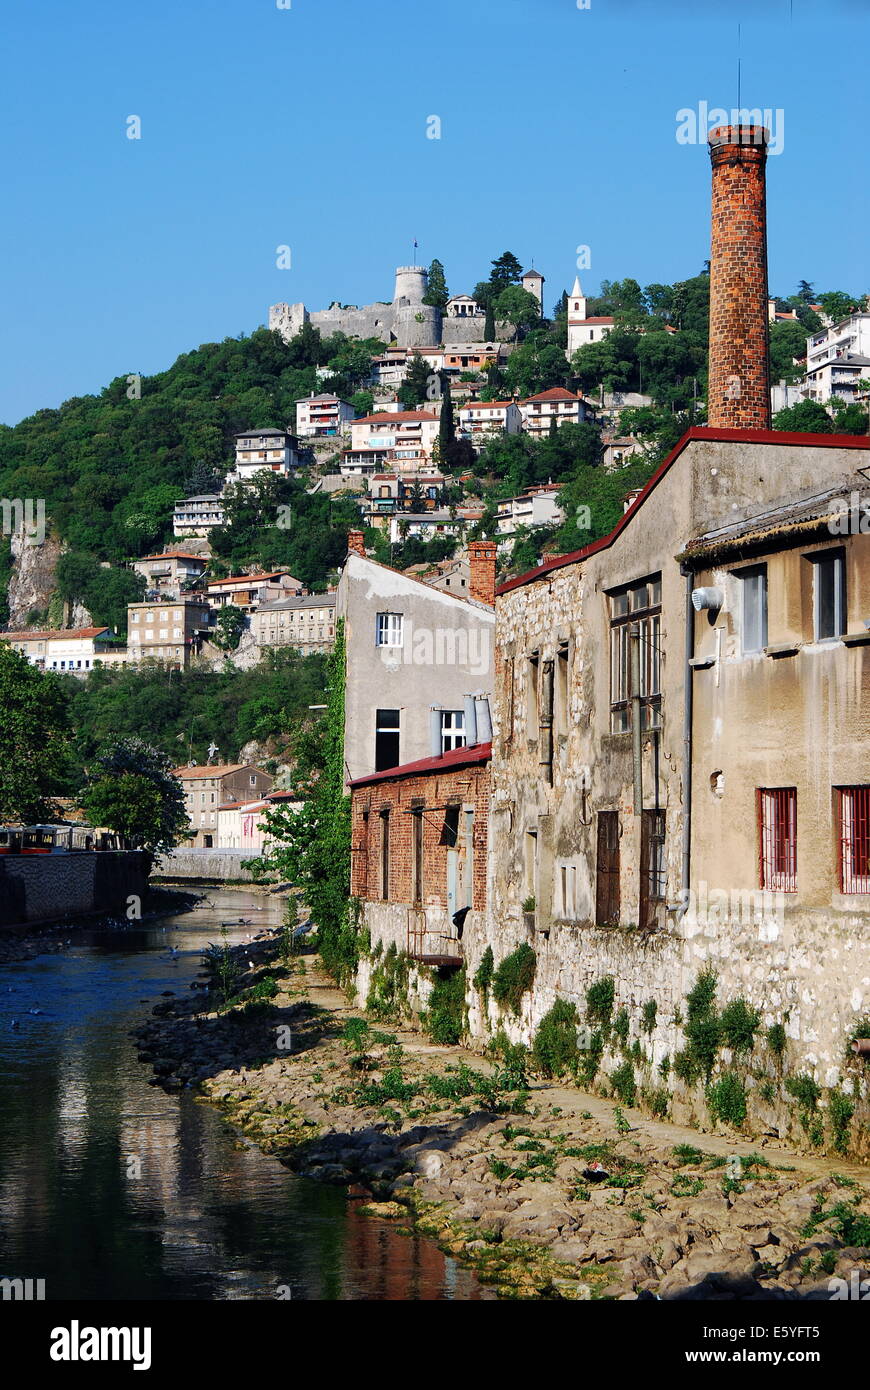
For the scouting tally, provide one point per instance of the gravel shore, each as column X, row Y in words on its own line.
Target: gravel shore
column 547, row 1191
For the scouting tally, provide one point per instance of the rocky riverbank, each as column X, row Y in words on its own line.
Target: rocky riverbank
column 547, row 1191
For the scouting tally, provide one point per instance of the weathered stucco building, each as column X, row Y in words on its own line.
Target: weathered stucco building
column 416, row 658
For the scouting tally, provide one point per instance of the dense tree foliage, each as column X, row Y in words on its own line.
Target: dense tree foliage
column 33, row 734
column 185, row 711
column 110, row 466
column 131, row 790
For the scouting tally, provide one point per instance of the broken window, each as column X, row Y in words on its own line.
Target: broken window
column 635, row 615
column 753, row 583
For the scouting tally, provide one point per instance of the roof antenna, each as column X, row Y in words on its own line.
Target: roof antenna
column 738, row 70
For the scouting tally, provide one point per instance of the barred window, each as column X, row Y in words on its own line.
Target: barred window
column 777, row 826
column 854, row 836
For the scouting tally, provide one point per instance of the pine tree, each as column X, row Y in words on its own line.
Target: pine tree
column 437, row 294
column 447, row 427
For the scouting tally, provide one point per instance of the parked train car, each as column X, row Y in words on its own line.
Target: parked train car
column 55, row 839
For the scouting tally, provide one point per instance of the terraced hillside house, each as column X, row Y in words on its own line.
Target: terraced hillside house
column 168, row 630
column 170, row 573
column 305, row 622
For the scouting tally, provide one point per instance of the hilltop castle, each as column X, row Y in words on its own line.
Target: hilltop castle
column 407, row 321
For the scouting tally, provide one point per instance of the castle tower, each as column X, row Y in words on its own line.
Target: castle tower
column 533, row 281
column 412, row 282
column 738, row 395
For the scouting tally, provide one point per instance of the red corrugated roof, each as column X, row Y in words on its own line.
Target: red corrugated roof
column 825, row 441
column 458, row 757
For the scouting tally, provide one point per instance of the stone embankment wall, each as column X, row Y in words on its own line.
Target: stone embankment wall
column 53, row 887
column 204, row 866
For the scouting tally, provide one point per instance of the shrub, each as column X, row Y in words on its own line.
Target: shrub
column 514, row 977
column 555, row 1046
column 657, row 1100
column 592, row 1057
column 840, row 1110
column 805, row 1091
column 776, row 1040
column 739, row 1024
column 622, row 1081
column 483, row 975
column 726, row 1099
column 701, row 996
column 599, row 1000
column 620, row 1026
column 444, row 1019
column 648, row 1015
column 388, row 987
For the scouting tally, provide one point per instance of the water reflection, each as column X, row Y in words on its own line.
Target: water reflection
column 111, row 1189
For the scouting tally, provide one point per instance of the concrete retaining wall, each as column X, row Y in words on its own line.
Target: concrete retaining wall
column 52, row 887
column 205, row 866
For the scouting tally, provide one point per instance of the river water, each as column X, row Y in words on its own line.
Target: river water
column 111, row 1189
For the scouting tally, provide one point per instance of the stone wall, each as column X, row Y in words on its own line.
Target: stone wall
column 52, row 887
column 204, row 866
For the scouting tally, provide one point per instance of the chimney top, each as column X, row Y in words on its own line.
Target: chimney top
column 481, row 564
column 757, row 135
column 356, row 543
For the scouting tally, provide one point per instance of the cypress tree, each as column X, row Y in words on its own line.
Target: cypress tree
column 489, row 324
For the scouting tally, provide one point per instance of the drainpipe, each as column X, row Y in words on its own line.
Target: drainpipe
column 470, row 721
column 435, row 730
column 484, row 718
column 688, row 699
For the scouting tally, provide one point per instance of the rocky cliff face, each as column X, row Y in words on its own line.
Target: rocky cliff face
column 33, row 582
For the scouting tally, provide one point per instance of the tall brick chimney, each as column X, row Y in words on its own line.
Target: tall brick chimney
column 356, row 543
column 739, row 386
column 481, row 563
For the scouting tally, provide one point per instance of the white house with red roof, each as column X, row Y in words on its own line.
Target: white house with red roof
column 74, row 650
column 483, row 418
column 581, row 328
column 554, row 407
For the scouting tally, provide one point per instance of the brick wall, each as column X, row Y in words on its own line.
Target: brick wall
column 465, row 788
column 739, row 382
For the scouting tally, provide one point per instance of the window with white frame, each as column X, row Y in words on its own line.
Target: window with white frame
column 389, row 631
column 452, row 729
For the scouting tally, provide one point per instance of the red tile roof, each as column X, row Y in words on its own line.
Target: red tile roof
column 253, row 578
column 52, row 634
column 824, row 441
column 197, row 771
column 396, row 415
column 172, row 555
column 457, row 757
column 555, row 393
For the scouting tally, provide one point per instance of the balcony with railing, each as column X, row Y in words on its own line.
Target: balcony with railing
column 432, row 945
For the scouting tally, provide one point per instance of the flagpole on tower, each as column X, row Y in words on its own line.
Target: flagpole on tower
column 415, row 251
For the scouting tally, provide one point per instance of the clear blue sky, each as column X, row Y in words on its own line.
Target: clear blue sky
column 307, row 127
